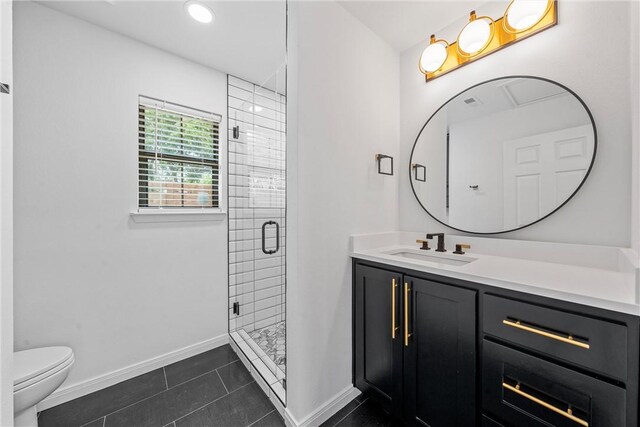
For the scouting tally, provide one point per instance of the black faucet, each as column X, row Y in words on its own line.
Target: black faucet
column 440, row 237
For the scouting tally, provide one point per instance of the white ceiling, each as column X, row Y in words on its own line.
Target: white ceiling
column 500, row 95
column 403, row 24
column 247, row 38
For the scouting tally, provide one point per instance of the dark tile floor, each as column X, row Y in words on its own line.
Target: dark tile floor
column 361, row 412
column 210, row 389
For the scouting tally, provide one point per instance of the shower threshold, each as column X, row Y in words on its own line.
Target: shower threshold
column 260, row 361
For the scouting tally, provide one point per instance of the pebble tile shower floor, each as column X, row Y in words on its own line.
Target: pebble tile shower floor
column 271, row 340
column 210, row 389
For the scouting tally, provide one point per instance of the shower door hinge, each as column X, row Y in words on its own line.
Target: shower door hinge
column 236, row 308
column 4, row 88
column 236, row 132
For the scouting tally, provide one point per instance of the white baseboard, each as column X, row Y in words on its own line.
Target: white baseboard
column 328, row 409
column 73, row 391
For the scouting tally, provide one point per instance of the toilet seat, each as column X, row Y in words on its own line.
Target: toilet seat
column 33, row 366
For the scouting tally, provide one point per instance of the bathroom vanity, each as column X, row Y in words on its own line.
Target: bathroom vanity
column 509, row 334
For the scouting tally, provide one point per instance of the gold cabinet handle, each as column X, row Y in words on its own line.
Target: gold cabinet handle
column 394, row 328
column 568, row 340
column 406, row 314
column 567, row 414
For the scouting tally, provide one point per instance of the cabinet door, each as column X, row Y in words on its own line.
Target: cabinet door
column 439, row 354
column 378, row 337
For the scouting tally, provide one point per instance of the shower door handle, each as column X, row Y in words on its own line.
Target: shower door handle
column 264, row 238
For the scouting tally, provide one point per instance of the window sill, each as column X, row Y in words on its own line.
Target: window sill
column 177, row 215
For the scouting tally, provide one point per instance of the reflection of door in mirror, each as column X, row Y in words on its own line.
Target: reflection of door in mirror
column 483, row 151
column 541, row 171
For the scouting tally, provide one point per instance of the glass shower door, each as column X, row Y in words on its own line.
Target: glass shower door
column 257, row 226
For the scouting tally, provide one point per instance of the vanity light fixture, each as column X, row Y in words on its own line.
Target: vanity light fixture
column 476, row 35
column 434, row 55
column 199, row 11
column 483, row 35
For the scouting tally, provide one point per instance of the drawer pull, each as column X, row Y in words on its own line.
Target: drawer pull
column 567, row 414
column 407, row 334
column 568, row 340
column 394, row 328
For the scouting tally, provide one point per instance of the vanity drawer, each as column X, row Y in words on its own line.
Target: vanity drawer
column 595, row 344
column 529, row 391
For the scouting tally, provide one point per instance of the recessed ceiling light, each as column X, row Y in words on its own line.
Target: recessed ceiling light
column 255, row 109
column 199, row 11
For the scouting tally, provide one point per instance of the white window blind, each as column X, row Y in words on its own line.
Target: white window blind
column 178, row 156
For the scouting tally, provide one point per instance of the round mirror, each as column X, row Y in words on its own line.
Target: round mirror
column 503, row 154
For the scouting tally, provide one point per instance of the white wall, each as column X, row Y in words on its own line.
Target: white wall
column 6, row 218
column 598, row 71
column 343, row 109
column 86, row 275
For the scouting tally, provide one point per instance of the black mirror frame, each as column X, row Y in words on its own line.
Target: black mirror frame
column 595, row 149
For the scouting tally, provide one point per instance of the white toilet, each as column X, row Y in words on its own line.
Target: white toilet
column 36, row 374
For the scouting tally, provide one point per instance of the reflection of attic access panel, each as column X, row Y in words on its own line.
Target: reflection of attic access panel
column 521, row 93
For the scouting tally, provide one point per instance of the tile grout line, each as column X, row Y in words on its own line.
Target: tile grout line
column 205, row 373
column 349, row 413
column 153, row 395
column 131, row 404
column 261, row 418
column 135, row 403
column 165, row 378
column 213, row 401
column 222, row 381
column 164, row 391
column 92, row 421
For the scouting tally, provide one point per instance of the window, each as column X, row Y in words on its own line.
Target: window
column 178, row 156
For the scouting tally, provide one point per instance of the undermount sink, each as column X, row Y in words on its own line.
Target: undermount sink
column 440, row 258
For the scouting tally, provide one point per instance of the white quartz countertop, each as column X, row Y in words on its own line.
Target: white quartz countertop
column 596, row 276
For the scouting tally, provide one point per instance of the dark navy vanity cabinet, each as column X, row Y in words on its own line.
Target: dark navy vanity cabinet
column 441, row 352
